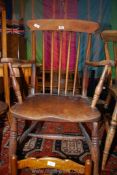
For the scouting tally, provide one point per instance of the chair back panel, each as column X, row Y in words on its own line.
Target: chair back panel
column 61, row 72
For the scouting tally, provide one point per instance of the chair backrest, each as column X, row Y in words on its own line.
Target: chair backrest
column 69, row 28
column 61, row 51
column 110, row 40
column 37, row 166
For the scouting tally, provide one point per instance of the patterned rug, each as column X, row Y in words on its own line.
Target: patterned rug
column 76, row 150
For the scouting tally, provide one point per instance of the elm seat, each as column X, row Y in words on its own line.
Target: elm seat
column 56, row 108
column 61, row 44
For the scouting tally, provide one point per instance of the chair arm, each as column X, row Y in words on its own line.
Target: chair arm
column 19, row 63
column 15, row 60
column 100, row 63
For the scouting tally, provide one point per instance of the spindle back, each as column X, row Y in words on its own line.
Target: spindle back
column 65, row 36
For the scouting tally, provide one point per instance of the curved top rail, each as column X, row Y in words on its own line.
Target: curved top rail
column 63, row 24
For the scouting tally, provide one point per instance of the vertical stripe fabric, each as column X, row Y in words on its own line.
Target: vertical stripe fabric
column 101, row 11
column 59, row 9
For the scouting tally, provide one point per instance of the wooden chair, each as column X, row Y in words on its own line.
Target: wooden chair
column 110, row 36
column 3, row 53
column 58, row 106
column 26, row 69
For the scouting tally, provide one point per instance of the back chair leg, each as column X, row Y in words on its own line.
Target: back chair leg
column 95, row 148
column 110, row 137
column 12, row 148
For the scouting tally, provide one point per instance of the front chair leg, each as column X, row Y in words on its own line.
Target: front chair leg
column 13, row 148
column 95, row 148
column 110, row 136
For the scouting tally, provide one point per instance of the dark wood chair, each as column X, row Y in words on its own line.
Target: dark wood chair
column 59, row 106
column 110, row 37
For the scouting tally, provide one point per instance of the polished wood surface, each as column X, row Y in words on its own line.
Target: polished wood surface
column 63, row 25
column 4, row 55
column 3, row 106
column 56, row 108
column 55, row 163
column 4, row 70
column 110, row 36
column 58, row 105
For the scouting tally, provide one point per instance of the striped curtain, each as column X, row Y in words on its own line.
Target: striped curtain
column 102, row 11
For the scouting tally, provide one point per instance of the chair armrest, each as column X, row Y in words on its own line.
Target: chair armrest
column 100, row 63
column 19, row 63
column 15, row 60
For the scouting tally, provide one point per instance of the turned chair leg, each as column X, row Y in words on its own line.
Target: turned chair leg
column 14, row 165
column 13, row 148
column 110, row 137
column 95, row 148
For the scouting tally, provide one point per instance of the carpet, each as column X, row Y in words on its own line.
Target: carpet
column 76, row 150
